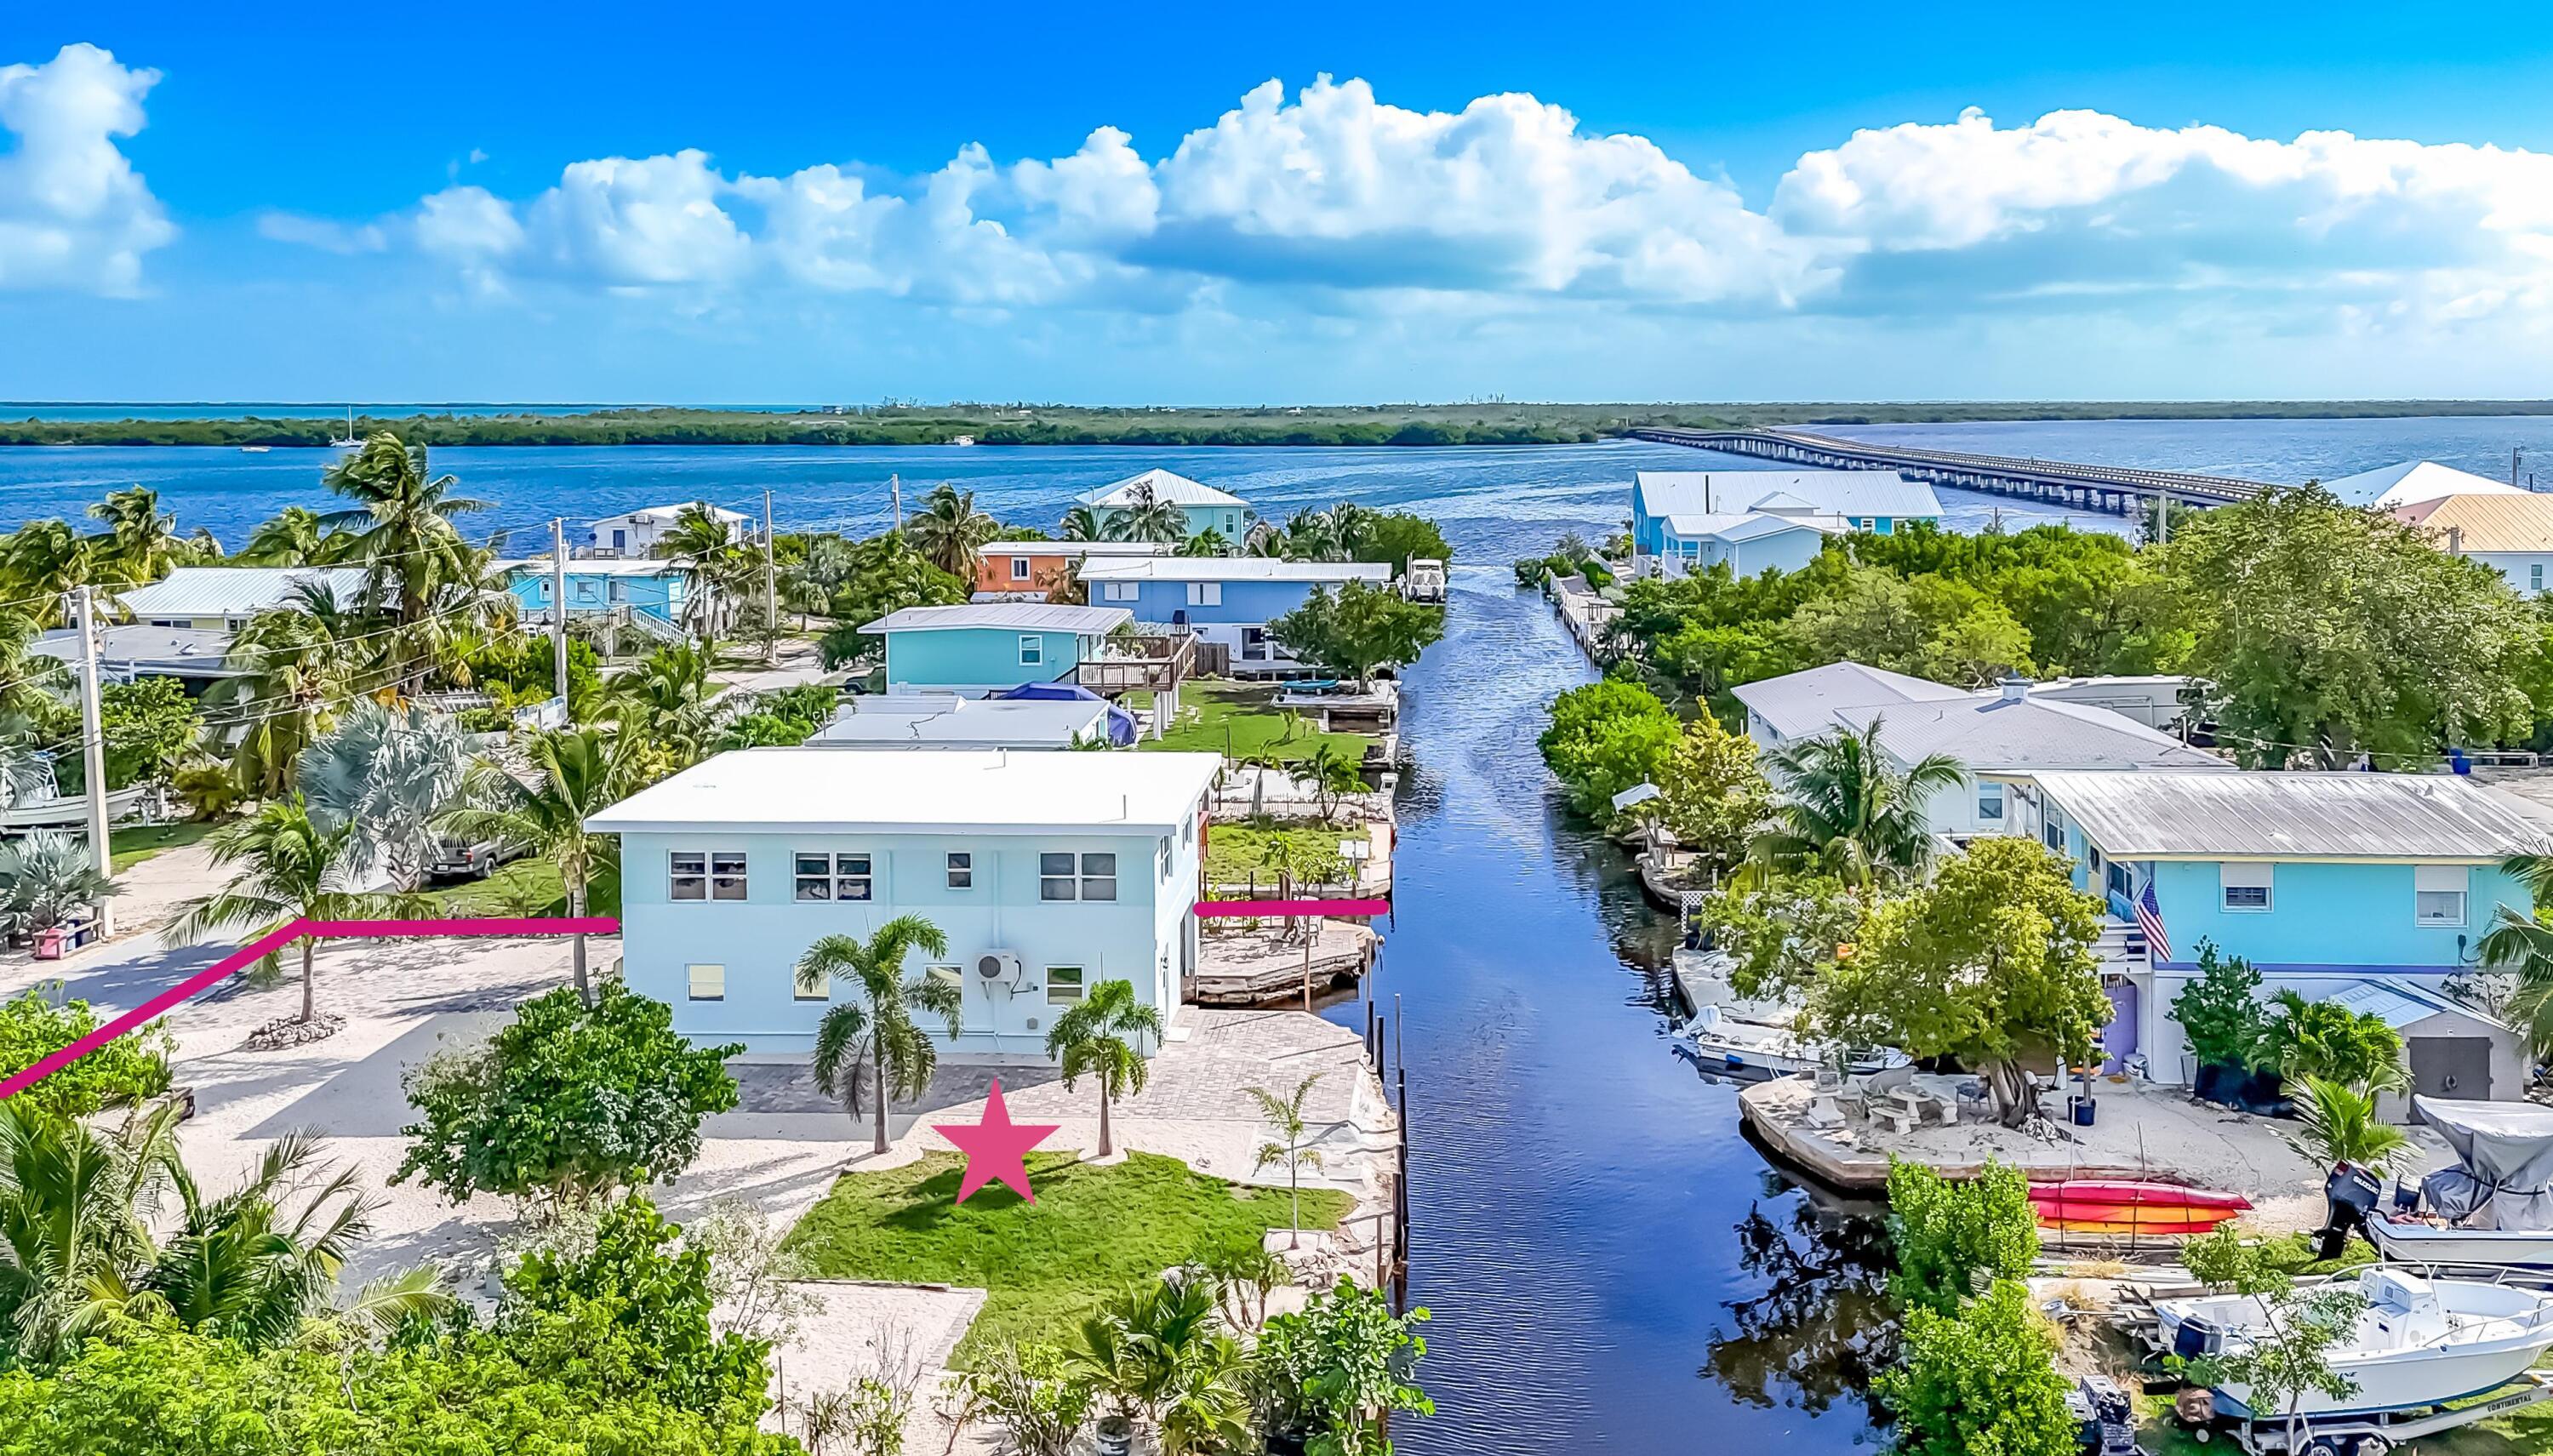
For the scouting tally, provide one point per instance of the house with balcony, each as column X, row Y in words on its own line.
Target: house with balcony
column 1048, row 873
column 1030, row 571
column 985, row 647
column 2372, row 889
column 1753, row 520
column 640, row 532
column 603, row 586
column 1224, row 601
column 1206, row 509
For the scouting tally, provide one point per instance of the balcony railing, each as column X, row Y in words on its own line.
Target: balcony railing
column 1154, row 663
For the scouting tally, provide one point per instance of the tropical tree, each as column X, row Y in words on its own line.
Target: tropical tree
column 74, row 1205
column 1080, row 523
column 665, row 699
column 2519, row 943
column 294, row 536
column 2337, row 1123
column 951, row 532
column 1146, row 516
column 40, row 562
column 404, row 534
column 575, row 777
column 1359, row 629
column 1293, row 1144
column 31, row 684
column 47, row 875
column 1207, row 542
column 387, row 773
column 290, row 669
column 1845, row 811
column 879, row 1028
column 2318, row 1039
column 1101, row 1035
column 287, row 868
column 141, row 541
column 1159, row 1348
column 716, row 562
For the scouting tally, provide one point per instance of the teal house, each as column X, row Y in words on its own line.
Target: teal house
column 1206, row 509
column 657, row 589
column 989, row 647
column 2369, row 889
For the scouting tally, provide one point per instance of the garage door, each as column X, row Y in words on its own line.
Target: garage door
column 2451, row 1067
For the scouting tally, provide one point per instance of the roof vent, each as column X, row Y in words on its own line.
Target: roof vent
column 2016, row 689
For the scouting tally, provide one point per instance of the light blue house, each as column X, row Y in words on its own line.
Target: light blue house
column 1207, row 508
column 1223, row 599
column 2364, row 885
column 1048, row 873
column 990, row 645
column 1681, row 517
column 657, row 589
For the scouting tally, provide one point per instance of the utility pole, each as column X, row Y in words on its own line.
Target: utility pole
column 558, row 607
column 2515, row 452
column 895, row 484
column 2163, row 518
column 93, row 751
column 770, row 585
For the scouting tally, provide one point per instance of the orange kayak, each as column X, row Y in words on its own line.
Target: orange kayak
column 2123, row 1193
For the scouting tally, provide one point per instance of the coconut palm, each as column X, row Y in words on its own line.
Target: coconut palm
column 2518, row 943
column 404, row 531
column 1292, row 1145
column 1207, row 542
column 575, row 777
column 2337, row 1123
column 30, row 681
column 1101, row 1035
column 1333, row 776
column 713, row 559
column 950, row 531
column 141, row 541
column 74, row 1205
column 1845, row 811
column 879, row 1028
column 1146, row 517
column 45, row 876
column 287, row 868
column 1313, row 535
column 1081, row 524
column 289, row 668
column 40, row 562
column 295, row 536
column 666, row 699
column 387, row 773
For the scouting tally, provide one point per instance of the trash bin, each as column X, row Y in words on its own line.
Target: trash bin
column 2079, row 1110
column 52, row 940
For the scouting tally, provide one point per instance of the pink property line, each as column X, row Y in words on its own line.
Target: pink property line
column 275, row 940
column 1211, row 909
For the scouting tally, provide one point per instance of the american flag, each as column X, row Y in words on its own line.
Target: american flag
column 2150, row 919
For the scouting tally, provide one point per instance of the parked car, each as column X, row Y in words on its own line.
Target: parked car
column 470, row 859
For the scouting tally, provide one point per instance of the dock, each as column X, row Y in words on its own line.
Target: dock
column 2116, row 490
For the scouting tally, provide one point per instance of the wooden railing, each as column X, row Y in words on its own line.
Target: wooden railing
column 1154, row 663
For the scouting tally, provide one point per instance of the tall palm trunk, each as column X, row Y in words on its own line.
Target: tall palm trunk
column 308, row 1005
column 1103, row 1117
column 576, row 911
column 877, row 1058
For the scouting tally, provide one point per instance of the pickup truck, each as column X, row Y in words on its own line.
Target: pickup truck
column 470, row 859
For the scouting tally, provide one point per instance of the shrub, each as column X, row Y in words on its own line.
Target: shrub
column 1949, row 1233
column 1983, row 1379
column 209, row 790
column 126, row 1070
column 2219, row 1009
column 2308, row 1040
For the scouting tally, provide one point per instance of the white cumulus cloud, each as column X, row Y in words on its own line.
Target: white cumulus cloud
column 73, row 213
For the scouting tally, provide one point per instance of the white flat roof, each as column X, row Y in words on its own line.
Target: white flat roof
column 832, row 791
column 675, row 511
column 947, row 721
column 1234, row 569
column 1026, row 617
column 1873, row 493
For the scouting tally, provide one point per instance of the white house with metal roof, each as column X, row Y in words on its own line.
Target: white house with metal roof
column 1048, row 873
column 640, row 532
column 2510, row 531
column 1206, row 507
column 984, row 648
column 945, row 721
column 2411, row 481
column 222, row 598
column 1225, row 600
column 2323, row 881
column 1752, row 520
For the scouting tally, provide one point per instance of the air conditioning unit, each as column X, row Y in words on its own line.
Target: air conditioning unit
column 998, row 969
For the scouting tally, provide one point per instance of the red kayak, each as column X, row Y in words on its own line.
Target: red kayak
column 2114, row 1194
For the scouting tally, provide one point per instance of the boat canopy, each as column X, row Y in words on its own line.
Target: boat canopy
column 2507, row 1151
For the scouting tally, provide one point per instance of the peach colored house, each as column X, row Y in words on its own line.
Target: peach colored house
column 1015, row 570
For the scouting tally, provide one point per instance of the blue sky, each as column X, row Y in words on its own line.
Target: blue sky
column 1164, row 204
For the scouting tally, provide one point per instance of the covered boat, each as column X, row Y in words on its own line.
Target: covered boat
column 2419, row 1342
column 2495, row 1208
column 1723, row 1044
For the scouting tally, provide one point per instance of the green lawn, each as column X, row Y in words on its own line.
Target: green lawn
column 1239, row 720
column 135, row 842
column 1235, row 852
column 1091, row 1231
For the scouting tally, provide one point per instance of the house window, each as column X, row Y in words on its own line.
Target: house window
column 824, row 876
column 961, row 869
column 2247, row 886
column 2054, row 836
column 619, row 590
column 1065, row 876
column 2118, row 879
column 1205, row 594
column 583, row 591
column 1032, row 650
column 708, row 982
column 1165, row 856
column 1991, row 803
column 1119, row 591
column 2536, row 577
column 1018, row 568
column 2438, row 894
column 691, row 875
column 726, row 874
column 818, row 989
column 1254, row 644
column 1869, row 524
column 1062, row 985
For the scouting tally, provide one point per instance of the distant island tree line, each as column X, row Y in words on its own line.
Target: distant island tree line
column 1036, row 425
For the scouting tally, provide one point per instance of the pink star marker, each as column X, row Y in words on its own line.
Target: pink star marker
column 996, row 1148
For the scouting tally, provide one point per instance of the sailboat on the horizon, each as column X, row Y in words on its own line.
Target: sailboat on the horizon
column 349, row 442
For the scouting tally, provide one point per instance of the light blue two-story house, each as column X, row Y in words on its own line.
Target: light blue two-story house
column 1753, row 520
column 1206, row 507
column 1048, row 873
column 2370, row 889
column 1224, row 599
column 988, row 646
column 601, row 585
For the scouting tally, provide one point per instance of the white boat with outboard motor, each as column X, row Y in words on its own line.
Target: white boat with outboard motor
column 2419, row 1342
column 2494, row 1209
column 1723, row 1044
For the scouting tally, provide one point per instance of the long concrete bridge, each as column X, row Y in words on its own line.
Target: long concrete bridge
column 2119, row 491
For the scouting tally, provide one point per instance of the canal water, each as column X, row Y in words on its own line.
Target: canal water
column 1611, row 1267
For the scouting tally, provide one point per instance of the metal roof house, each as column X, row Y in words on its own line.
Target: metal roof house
column 1206, row 507
column 1227, row 601
column 192, row 655
column 2320, row 880
column 944, row 720
column 640, row 532
column 984, row 648
column 1016, row 571
column 1049, row 873
column 223, row 597
column 1686, row 520
column 2411, row 481
column 601, row 585
column 2510, row 531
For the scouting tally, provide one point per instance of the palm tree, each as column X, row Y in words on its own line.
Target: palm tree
column 1080, row 523
column 30, row 682
column 294, row 536
column 1159, row 1348
column 2337, row 1123
column 387, row 772
column 45, row 876
column 1293, row 1147
column 1333, row 776
column 402, row 520
column 43, row 560
column 288, row 868
column 665, row 698
column 710, row 557
column 1098, row 1036
column 289, row 668
column 1207, row 542
column 2516, row 941
column 1312, row 535
column 576, row 777
column 1148, row 518
column 880, row 1031
column 1845, row 811
column 950, row 531
column 73, row 1211
column 141, row 541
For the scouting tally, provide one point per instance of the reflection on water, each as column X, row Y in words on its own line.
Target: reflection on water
column 1820, row 1323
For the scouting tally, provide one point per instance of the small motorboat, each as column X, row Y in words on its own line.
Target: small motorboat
column 255, row 449
column 2421, row 1342
column 2115, row 1206
column 1723, row 1044
column 2494, row 1209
